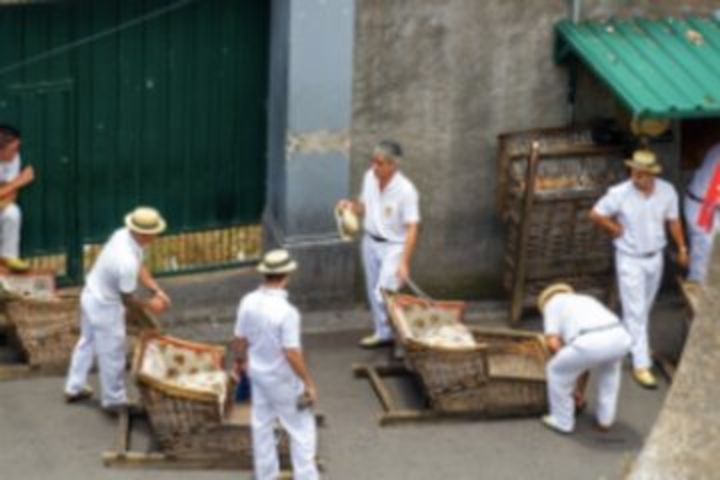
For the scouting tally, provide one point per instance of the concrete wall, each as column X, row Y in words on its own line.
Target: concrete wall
column 445, row 78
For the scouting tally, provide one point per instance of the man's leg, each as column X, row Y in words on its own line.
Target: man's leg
column 10, row 221
column 562, row 373
column 110, row 344
column 387, row 280
column 262, row 417
column 608, row 388
column 631, row 284
column 82, row 358
column 301, row 428
column 371, row 265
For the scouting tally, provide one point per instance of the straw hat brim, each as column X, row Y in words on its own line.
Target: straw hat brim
column 654, row 169
column 157, row 229
column 550, row 292
column 287, row 268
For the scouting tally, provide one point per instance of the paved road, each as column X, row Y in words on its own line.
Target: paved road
column 42, row 438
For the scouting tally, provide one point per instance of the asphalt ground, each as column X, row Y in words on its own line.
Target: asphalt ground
column 43, row 438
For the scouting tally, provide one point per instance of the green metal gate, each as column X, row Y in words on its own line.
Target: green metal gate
column 127, row 102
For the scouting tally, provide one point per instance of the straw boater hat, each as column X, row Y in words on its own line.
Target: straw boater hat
column 146, row 221
column 347, row 223
column 547, row 294
column 277, row 262
column 644, row 160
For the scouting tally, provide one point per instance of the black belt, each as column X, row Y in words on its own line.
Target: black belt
column 377, row 238
column 692, row 196
column 641, row 255
column 585, row 331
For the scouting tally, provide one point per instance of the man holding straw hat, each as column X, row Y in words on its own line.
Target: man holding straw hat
column 267, row 345
column 635, row 212
column 108, row 292
column 583, row 335
column 389, row 203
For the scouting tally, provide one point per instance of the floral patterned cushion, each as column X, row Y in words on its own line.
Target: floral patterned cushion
column 433, row 326
column 184, row 367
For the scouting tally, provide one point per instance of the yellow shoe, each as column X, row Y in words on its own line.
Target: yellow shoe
column 17, row 264
column 645, row 378
column 373, row 341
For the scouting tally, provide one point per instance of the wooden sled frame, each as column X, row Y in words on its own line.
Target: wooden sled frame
column 18, row 371
column 392, row 414
column 124, row 457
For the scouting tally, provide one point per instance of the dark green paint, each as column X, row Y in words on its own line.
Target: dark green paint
column 169, row 112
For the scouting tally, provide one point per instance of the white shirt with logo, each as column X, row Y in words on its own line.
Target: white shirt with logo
column 568, row 314
column 388, row 213
column 10, row 170
column 642, row 217
column 270, row 324
column 116, row 269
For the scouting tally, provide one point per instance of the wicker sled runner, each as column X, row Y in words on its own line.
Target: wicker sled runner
column 463, row 371
column 189, row 402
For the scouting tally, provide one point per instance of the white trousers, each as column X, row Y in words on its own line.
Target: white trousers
column 102, row 333
column 10, row 221
column 701, row 242
column 272, row 400
column 600, row 352
column 380, row 261
column 638, row 282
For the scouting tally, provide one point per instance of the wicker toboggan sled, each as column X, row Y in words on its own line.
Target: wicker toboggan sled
column 463, row 371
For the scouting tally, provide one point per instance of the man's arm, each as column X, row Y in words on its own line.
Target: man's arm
column 297, row 363
column 676, row 231
column 554, row 343
column 26, row 176
column 147, row 280
column 606, row 223
column 403, row 272
column 240, row 348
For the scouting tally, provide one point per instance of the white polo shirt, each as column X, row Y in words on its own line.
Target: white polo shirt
column 270, row 324
column 116, row 269
column 568, row 314
column 10, row 170
column 701, row 178
column 388, row 213
column 642, row 217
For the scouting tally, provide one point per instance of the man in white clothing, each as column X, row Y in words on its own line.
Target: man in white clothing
column 583, row 335
column 701, row 240
column 635, row 212
column 389, row 203
column 12, row 180
column 108, row 292
column 267, row 346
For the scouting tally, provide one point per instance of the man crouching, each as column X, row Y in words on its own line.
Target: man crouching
column 583, row 336
column 267, row 346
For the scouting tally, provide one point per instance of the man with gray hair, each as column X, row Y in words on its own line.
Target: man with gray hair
column 389, row 203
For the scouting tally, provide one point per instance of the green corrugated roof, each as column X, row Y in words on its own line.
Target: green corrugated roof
column 659, row 68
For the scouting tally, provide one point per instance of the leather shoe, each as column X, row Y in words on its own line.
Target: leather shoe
column 373, row 341
column 85, row 393
column 645, row 378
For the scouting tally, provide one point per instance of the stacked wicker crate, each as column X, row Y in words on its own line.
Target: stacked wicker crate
column 549, row 234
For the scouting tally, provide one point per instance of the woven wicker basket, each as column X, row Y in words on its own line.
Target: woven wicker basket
column 502, row 375
column 187, row 422
column 47, row 329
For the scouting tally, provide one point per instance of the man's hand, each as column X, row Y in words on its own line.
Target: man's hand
column 156, row 305
column 311, row 393
column 164, row 296
column 682, row 257
column 617, row 230
column 27, row 175
column 403, row 273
